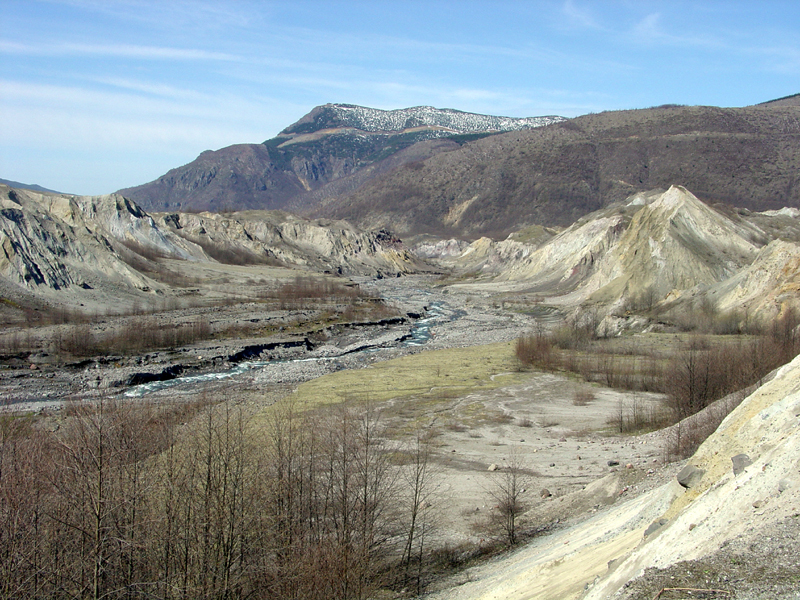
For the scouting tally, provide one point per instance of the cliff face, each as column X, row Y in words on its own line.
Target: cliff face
column 333, row 246
column 56, row 242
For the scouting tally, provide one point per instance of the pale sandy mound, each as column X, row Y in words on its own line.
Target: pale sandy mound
column 596, row 558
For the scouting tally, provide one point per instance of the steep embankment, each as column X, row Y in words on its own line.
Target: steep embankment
column 105, row 250
column 333, row 246
column 747, row 479
column 54, row 242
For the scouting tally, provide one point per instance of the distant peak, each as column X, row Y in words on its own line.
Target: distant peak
column 375, row 120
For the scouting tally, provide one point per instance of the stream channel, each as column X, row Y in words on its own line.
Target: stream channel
column 421, row 331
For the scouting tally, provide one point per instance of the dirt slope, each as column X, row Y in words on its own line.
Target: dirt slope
column 664, row 248
column 597, row 558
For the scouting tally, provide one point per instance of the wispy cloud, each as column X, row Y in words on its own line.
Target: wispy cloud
column 651, row 30
column 578, row 16
column 63, row 113
column 180, row 14
column 116, row 51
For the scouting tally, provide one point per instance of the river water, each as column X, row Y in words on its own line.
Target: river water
column 420, row 333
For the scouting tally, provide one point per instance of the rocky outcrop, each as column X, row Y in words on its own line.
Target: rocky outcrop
column 54, row 241
column 767, row 286
column 65, row 247
column 333, row 246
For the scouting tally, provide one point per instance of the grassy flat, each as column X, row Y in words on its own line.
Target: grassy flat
column 427, row 375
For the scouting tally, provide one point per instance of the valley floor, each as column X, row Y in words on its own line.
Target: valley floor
column 581, row 479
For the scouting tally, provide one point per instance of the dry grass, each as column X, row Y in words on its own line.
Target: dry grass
column 431, row 378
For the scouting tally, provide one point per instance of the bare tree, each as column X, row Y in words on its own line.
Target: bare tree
column 506, row 488
column 419, row 483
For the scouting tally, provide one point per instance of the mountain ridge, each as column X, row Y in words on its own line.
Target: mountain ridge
column 330, row 143
column 551, row 176
column 374, row 120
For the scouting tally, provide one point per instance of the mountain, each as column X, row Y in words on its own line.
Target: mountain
column 551, row 176
column 25, row 186
column 664, row 248
column 331, row 144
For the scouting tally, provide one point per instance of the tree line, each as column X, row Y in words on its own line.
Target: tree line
column 194, row 500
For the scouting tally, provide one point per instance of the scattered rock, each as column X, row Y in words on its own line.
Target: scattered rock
column 785, row 484
column 655, row 526
column 492, row 467
column 613, row 463
column 689, row 476
column 740, row 462
column 545, row 493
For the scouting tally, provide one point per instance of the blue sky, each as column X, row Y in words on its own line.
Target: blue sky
column 97, row 95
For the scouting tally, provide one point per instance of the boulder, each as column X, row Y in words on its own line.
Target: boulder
column 740, row 462
column 690, row 476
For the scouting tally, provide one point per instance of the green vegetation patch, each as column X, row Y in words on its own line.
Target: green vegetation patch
column 434, row 376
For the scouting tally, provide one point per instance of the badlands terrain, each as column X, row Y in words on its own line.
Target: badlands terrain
column 103, row 301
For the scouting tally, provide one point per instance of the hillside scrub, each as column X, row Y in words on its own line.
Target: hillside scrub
column 693, row 374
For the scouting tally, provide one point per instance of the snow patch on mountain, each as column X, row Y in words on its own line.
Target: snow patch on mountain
column 446, row 120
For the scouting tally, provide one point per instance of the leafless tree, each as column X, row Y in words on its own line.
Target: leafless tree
column 419, row 485
column 506, row 488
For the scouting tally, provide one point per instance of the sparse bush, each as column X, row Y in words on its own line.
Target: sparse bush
column 635, row 415
column 583, row 397
column 537, row 350
column 506, row 488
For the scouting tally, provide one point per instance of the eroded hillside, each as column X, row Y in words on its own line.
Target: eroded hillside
column 656, row 251
column 105, row 253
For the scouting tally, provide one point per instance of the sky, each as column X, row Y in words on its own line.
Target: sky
column 98, row 95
